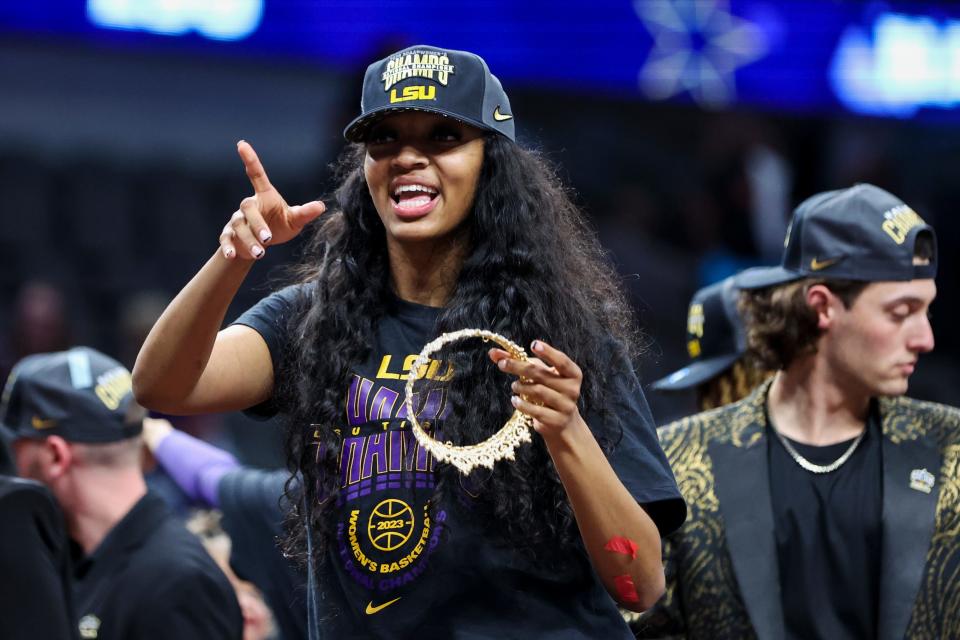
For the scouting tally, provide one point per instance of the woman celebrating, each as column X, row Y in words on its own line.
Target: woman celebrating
column 442, row 222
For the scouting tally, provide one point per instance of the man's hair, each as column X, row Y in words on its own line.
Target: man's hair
column 781, row 326
column 122, row 453
column 923, row 247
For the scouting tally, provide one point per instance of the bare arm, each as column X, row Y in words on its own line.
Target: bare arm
column 187, row 364
column 604, row 509
column 665, row 620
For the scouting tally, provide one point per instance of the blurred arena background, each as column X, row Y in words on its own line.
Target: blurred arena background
column 688, row 128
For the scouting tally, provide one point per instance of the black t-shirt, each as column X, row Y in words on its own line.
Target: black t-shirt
column 151, row 578
column 253, row 512
column 828, row 533
column 35, row 596
column 398, row 568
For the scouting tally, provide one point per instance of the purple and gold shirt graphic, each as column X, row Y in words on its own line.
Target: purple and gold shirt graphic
column 386, row 531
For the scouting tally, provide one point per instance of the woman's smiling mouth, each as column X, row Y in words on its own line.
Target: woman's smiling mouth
column 413, row 200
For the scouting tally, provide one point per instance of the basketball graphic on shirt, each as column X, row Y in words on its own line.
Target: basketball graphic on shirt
column 391, row 524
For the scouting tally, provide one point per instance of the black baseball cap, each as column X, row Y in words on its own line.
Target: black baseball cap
column 861, row 233
column 457, row 84
column 715, row 337
column 80, row 395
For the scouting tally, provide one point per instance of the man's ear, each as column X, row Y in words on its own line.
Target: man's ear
column 60, row 457
column 823, row 303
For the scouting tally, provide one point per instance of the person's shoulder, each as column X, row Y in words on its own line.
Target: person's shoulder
column 287, row 296
column 173, row 552
column 12, row 485
column 175, row 567
column 297, row 290
column 712, row 425
column 740, row 423
column 30, row 509
column 172, row 580
column 615, row 352
column 19, row 492
column 908, row 419
column 932, row 410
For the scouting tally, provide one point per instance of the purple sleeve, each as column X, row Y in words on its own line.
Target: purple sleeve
column 194, row 465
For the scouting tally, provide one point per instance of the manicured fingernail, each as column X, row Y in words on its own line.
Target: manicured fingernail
column 514, row 385
column 502, row 364
column 536, row 345
column 515, row 401
column 265, row 235
column 228, row 252
column 256, row 250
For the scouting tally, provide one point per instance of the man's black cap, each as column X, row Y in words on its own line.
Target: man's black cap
column 715, row 337
column 457, row 84
column 862, row 233
column 80, row 395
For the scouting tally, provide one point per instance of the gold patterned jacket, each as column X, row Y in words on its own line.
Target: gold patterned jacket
column 722, row 572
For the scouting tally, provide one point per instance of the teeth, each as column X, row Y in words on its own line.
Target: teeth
column 412, row 203
column 405, row 188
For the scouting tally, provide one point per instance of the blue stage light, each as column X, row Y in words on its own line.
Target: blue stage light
column 217, row 20
column 906, row 63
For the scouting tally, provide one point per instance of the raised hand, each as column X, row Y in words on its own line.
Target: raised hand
column 155, row 430
column 265, row 217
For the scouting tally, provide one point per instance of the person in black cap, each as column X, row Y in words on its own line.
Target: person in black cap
column 138, row 573
column 825, row 504
column 719, row 370
column 442, row 222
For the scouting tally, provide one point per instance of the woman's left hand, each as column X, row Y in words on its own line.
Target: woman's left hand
column 548, row 389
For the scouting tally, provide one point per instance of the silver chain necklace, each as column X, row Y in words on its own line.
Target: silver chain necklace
column 819, row 468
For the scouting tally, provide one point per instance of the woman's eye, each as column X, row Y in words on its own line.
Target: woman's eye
column 446, row 134
column 381, row 136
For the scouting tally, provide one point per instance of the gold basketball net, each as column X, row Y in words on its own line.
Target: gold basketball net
column 499, row 446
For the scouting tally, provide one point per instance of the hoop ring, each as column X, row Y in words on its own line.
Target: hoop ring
column 499, row 446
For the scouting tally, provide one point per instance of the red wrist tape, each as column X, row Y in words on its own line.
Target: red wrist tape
column 619, row 544
column 625, row 589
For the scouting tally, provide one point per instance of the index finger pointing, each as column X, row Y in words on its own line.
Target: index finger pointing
column 255, row 172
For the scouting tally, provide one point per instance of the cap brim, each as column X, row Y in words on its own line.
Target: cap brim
column 357, row 129
column 762, row 277
column 10, row 434
column 695, row 373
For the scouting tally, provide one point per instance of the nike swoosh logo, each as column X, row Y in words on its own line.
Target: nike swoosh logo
column 40, row 423
column 818, row 265
column 372, row 609
column 500, row 117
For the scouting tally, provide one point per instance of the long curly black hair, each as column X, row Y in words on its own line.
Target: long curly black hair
column 533, row 269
